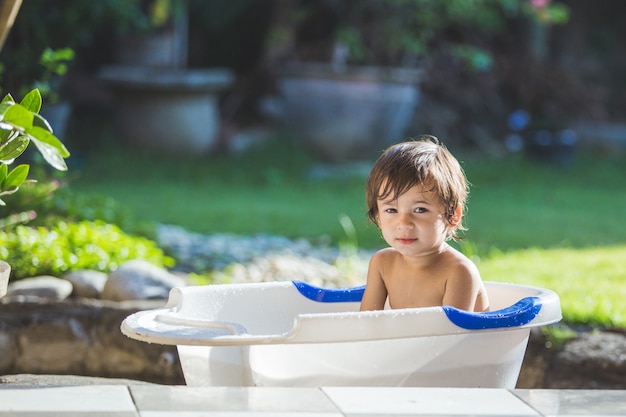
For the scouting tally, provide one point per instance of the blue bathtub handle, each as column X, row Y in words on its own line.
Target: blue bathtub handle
column 330, row 295
column 519, row 314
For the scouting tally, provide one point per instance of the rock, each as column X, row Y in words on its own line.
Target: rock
column 87, row 283
column 591, row 360
column 197, row 253
column 285, row 268
column 42, row 286
column 140, row 280
column 65, row 380
column 594, row 359
column 5, row 271
column 80, row 337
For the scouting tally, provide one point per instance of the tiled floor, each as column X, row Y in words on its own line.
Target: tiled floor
column 179, row 401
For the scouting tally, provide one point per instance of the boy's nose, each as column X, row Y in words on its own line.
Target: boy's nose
column 404, row 222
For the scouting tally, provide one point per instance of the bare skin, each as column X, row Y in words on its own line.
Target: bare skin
column 420, row 269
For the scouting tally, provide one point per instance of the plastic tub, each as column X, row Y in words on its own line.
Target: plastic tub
column 296, row 334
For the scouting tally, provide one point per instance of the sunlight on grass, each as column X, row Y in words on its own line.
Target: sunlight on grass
column 590, row 282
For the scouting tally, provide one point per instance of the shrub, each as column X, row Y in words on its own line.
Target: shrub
column 69, row 246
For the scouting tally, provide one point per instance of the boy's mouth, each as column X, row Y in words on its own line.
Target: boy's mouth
column 406, row 240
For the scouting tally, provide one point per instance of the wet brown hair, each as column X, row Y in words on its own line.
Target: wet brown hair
column 421, row 161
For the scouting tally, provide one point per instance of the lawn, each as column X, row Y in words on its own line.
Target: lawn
column 530, row 223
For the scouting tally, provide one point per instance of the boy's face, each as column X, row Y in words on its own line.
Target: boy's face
column 415, row 223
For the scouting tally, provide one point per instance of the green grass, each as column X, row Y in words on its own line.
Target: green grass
column 589, row 282
column 514, row 204
column 561, row 228
column 250, row 193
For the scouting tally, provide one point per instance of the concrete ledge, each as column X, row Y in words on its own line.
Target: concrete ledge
column 65, row 380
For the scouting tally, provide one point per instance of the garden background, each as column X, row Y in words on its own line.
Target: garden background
column 543, row 210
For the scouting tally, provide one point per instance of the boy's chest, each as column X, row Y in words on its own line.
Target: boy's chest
column 411, row 289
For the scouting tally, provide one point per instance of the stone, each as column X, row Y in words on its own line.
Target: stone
column 65, row 380
column 44, row 286
column 87, row 283
column 593, row 359
column 5, row 272
column 6, row 348
column 140, row 280
column 286, row 267
column 80, row 337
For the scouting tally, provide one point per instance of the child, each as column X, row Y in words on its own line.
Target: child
column 416, row 193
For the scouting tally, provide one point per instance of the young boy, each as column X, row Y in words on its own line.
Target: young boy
column 416, row 193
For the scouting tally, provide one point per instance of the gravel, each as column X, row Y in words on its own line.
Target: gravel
column 262, row 258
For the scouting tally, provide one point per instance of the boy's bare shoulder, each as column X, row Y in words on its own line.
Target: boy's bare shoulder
column 385, row 254
column 460, row 264
column 458, row 256
column 389, row 251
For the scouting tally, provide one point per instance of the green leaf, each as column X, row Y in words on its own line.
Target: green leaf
column 4, row 170
column 8, row 98
column 7, row 133
column 19, row 116
column 39, row 121
column 15, row 178
column 51, row 154
column 32, row 101
column 14, row 148
column 38, row 134
column 5, row 105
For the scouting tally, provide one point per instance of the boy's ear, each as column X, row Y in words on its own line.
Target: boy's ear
column 456, row 216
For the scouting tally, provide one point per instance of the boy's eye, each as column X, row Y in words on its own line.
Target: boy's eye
column 391, row 210
column 420, row 210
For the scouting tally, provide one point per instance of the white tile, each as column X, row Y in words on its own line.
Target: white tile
column 93, row 398
column 353, row 401
column 231, row 414
column 231, row 401
column 576, row 402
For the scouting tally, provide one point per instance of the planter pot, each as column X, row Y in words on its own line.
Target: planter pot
column 5, row 271
column 167, row 109
column 347, row 114
column 162, row 49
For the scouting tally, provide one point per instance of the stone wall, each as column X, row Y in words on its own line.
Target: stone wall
column 593, row 359
column 83, row 337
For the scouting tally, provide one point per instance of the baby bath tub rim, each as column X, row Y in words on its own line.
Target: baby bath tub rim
column 527, row 306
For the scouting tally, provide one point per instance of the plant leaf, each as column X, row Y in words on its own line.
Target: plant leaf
column 32, row 101
column 15, row 178
column 14, row 148
column 51, row 154
column 8, row 98
column 39, row 121
column 38, row 134
column 19, row 116
column 5, row 105
column 5, row 133
column 4, row 170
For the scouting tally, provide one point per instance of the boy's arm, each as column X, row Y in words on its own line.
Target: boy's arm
column 463, row 287
column 375, row 295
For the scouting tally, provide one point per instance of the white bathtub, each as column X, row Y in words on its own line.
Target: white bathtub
column 295, row 334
